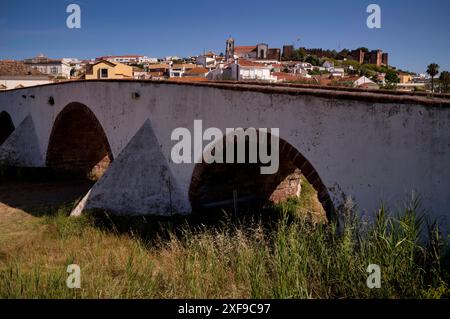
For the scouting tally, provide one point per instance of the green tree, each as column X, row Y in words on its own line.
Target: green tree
column 433, row 70
column 364, row 49
column 334, row 54
column 444, row 80
column 298, row 55
column 391, row 79
column 314, row 60
column 344, row 54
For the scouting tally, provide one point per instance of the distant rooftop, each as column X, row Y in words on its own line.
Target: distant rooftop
column 244, row 62
column 16, row 68
column 197, row 70
column 245, row 48
column 41, row 59
column 132, row 56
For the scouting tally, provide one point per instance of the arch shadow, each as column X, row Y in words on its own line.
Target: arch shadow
column 78, row 145
column 208, row 180
column 6, row 126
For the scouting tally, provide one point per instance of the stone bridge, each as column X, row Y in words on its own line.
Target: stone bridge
column 371, row 146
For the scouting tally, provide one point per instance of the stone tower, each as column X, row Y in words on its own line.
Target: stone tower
column 229, row 49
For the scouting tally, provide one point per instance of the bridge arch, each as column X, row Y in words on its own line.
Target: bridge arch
column 78, row 144
column 6, row 126
column 213, row 183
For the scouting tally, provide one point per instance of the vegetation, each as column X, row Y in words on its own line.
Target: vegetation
column 292, row 257
column 391, row 79
column 342, row 83
column 314, row 60
column 432, row 70
column 317, row 72
column 444, row 82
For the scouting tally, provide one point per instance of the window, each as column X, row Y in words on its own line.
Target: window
column 103, row 73
column 54, row 70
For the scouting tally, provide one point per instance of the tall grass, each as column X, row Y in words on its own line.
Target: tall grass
column 292, row 258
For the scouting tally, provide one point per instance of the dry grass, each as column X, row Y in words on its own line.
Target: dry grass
column 293, row 258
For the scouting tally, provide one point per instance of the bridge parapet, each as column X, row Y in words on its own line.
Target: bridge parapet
column 369, row 145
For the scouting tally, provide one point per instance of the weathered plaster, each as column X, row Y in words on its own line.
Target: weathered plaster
column 370, row 146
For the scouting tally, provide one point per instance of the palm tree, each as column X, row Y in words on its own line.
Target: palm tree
column 433, row 70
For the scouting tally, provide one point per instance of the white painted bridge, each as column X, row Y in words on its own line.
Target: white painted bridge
column 371, row 146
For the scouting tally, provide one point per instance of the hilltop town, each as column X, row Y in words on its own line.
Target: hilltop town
column 358, row 68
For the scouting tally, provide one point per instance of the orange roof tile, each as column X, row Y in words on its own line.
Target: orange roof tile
column 197, row 70
column 243, row 62
column 189, row 79
column 245, row 48
column 158, row 66
column 17, row 68
column 184, row 65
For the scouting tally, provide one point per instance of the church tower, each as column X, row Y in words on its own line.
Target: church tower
column 229, row 50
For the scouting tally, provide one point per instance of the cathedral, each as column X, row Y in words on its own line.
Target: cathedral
column 256, row 52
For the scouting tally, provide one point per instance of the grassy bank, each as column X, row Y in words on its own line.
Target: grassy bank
column 292, row 258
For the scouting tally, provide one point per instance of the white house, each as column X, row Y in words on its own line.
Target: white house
column 249, row 70
column 242, row 70
column 177, row 70
column 365, row 82
column 128, row 59
column 223, row 72
column 337, row 72
column 301, row 68
column 304, row 66
column 206, row 61
column 328, row 65
column 14, row 75
column 139, row 73
column 362, row 80
column 54, row 67
column 146, row 60
column 172, row 58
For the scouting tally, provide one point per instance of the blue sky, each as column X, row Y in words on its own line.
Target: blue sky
column 415, row 33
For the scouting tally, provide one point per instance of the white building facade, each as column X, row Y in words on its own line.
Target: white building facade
column 54, row 67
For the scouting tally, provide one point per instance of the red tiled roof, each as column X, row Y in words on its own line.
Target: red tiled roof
column 245, row 48
column 198, row 70
column 158, row 66
column 243, row 62
column 118, row 56
column 106, row 62
column 189, row 79
column 186, row 66
column 286, row 76
column 17, row 68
